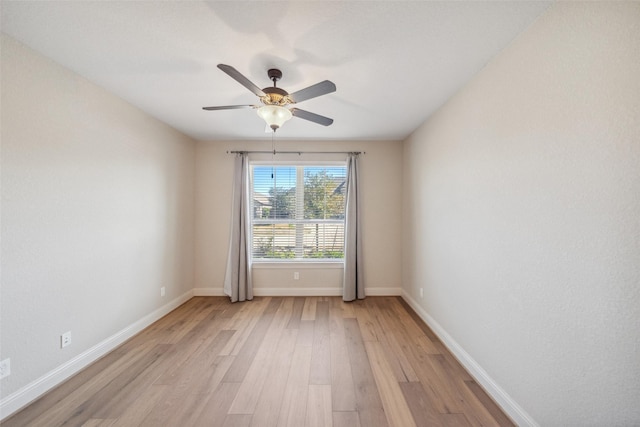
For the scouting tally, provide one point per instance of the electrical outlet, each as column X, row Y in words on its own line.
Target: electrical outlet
column 5, row 368
column 65, row 339
column 162, row 291
column 296, row 276
column 421, row 293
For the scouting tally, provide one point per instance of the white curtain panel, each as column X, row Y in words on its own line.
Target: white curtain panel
column 237, row 280
column 353, row 285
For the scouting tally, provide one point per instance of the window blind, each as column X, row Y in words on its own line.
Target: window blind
column 298, row 212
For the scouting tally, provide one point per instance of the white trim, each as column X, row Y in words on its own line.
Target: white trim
column 37, row 388
column 506, row 402
column 293, row 265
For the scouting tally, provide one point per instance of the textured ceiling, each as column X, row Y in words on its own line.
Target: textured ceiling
column 394, row 62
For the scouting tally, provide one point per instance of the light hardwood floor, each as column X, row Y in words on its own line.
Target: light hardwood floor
column 303, row 361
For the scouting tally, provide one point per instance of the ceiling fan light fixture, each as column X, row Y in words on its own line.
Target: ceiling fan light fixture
column 274, row 115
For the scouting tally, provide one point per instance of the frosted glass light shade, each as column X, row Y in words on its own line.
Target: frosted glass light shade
column 274, row 115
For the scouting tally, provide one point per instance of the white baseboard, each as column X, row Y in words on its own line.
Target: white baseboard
column 299, row 292
column 37, row 388
column 510, row 406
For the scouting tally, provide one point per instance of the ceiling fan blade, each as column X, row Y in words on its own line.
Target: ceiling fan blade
column 317, row 89
column 235, row 74
column 312, row 117
column 228, row 107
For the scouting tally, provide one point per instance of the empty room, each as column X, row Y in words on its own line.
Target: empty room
column 320, row 213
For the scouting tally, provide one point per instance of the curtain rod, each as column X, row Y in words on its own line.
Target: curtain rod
column 295, row 152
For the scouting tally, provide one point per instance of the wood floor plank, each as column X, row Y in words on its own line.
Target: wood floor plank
column 165, row 327
column 111, row 395
column 416, row 355
column 197, row 353
column 230, row 311
column 178, row 332
column 319, row 411
column 62, row 405
column 184, row 402
column 294, row 403
column 455, row 420
column 243, row 321
column 452, row 363
column 296, row 314
column 173, row 408
column 401, row 366
column 489, row 404
column 213, row 374
column 272, row 362
column 346, row 419
column 203, row 326
column 369, row 326
column 395, row 407
column 424, row 413
column 251, row 387
column 216, row 406
column 140, row 409
column 305, row 333
column 343, row 391
column 237, row 420
column 95, row 422
column 476, row 413
column 446, row 386
column 253, row 382
column 309, row 309
column 251, row 345
column 425, row 329
column 321, row 356
column 347, row 308
column 368, row 400
column 114, row 399
column 267, row 410
column 207, row 304
column 417, row 348
column 399, row 317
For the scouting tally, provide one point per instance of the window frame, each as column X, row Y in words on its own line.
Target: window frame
column 299, row 261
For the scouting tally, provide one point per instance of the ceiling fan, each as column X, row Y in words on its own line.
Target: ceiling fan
column 275, row 100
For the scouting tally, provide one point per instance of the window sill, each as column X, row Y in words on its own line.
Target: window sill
column 298, row 264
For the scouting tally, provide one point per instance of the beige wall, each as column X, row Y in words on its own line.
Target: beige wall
column 97, row 216
column 522, row 219
column 381, row 177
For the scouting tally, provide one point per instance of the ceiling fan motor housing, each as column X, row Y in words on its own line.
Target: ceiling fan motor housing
column 275, row 96
column 274, row 75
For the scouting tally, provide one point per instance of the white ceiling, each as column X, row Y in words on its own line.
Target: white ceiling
column 394, row 62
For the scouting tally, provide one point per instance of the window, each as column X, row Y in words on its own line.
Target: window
column 298, row 212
